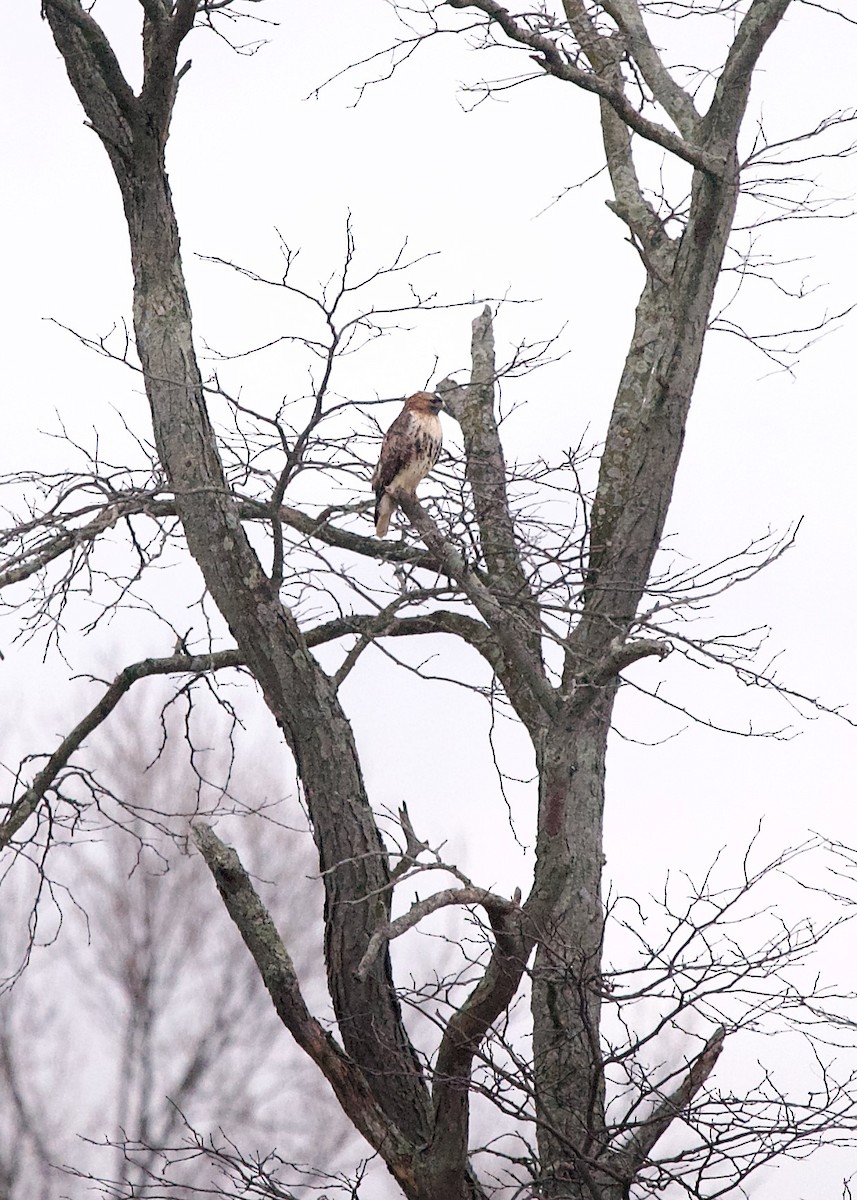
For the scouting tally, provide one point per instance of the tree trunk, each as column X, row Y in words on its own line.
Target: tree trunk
column 299, row 694
column 301, row 697
column 567, row 989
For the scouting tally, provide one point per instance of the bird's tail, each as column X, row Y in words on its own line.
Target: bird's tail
column 384, row 509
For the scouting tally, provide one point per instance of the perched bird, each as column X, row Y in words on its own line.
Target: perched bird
column 408, row 452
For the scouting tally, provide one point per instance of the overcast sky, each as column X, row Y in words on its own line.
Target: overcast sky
column 250, row 154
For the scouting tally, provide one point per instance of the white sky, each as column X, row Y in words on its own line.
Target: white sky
column 247, row 154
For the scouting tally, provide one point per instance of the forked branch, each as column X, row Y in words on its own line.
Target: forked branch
column 260, row 935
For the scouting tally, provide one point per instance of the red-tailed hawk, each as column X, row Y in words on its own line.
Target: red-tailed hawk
column 409, row 451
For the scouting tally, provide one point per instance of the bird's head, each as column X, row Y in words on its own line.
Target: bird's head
column 425, row 402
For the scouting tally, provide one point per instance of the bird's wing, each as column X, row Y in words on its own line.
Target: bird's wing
column 397, row 451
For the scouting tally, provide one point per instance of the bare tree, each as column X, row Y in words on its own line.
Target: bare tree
column 558, row 609
column 29, row 1124
column 146, row 1026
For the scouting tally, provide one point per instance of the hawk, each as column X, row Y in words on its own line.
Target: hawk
column 408, row 452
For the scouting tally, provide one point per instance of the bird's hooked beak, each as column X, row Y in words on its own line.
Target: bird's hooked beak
column 438, row 399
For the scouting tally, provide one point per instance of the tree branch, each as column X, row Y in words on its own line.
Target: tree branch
column 646, row 432
column 553, row 63
column 628, row 1161
column 22, row 809
column 623, row 654
column 456, row 624
column 468, row 1026
column 485, row 468
column 343, row 539
column 32, row 560
column 674, row 100
column 96, row 76
column 503, row 620
column 370, row 628
column 470, row 1023
column 111, row 74
column 62, row 542
column 260, row 935
column 422, row 908
column 630, row 205
column 723, row 119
